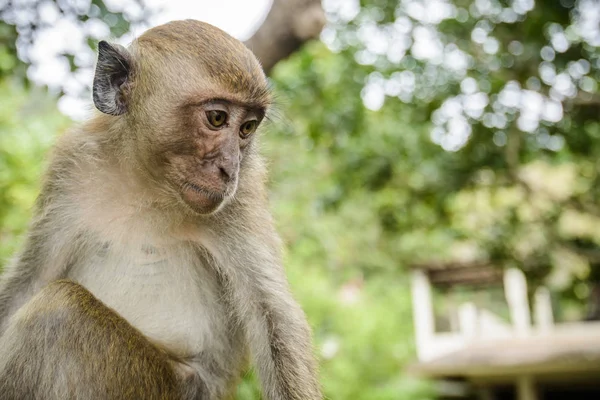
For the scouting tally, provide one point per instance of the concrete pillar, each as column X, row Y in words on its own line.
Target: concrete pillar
column 515, row 289
column 422, row 312
column 542, row 310
column 467, row 316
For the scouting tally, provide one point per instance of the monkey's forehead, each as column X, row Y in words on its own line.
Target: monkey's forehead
column 223, row 59
column 252, row 87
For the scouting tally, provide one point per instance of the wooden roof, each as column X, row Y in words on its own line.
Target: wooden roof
column 447, row 274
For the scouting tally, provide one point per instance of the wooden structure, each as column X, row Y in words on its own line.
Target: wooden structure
column 491, row 358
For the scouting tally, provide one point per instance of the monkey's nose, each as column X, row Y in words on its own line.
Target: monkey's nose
column 227, row 169
column 226, row 174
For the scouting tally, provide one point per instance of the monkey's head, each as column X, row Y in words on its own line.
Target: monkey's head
column 189, row 98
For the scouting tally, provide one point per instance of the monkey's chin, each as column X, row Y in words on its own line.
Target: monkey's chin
column 200, row 200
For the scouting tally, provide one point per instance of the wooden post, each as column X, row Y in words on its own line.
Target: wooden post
column 422, row 312
column 485, row 393
column 526, row 389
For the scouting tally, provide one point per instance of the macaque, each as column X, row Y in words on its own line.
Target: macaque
column 152, row 269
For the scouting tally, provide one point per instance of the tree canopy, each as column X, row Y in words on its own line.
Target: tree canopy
column 475, row 134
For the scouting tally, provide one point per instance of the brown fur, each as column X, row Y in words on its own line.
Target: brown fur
column 160, row 223
column 83, row 329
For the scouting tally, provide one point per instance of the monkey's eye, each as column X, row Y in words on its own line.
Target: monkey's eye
column 248, row 127
column 216, row 118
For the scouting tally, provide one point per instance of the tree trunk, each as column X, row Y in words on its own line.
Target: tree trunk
column 289, row 24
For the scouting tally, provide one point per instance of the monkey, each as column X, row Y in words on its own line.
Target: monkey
column 152, row 268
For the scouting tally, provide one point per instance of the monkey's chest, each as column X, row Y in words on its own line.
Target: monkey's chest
column 171, row 298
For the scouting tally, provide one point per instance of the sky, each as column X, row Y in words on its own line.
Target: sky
column 237, row 17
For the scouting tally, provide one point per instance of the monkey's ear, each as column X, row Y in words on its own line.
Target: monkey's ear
column 113, row 73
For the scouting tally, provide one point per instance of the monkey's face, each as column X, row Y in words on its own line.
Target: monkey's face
column 203, row 162
column 192, row 97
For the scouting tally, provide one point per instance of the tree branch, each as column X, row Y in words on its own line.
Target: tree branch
column 288, row 25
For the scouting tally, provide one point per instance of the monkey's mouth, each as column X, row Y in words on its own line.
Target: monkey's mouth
column 200, row 199
column 205, row 192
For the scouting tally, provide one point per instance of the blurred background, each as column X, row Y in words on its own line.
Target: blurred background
column 435, row 176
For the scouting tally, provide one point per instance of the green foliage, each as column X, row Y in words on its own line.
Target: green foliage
column 8, row 56
column 28, row 125
column 482, row 143
column 25, row 22
column 357, row 303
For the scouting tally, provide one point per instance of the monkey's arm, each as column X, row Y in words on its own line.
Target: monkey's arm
column 48, row 250
column 276, row 328
column 284, row 354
